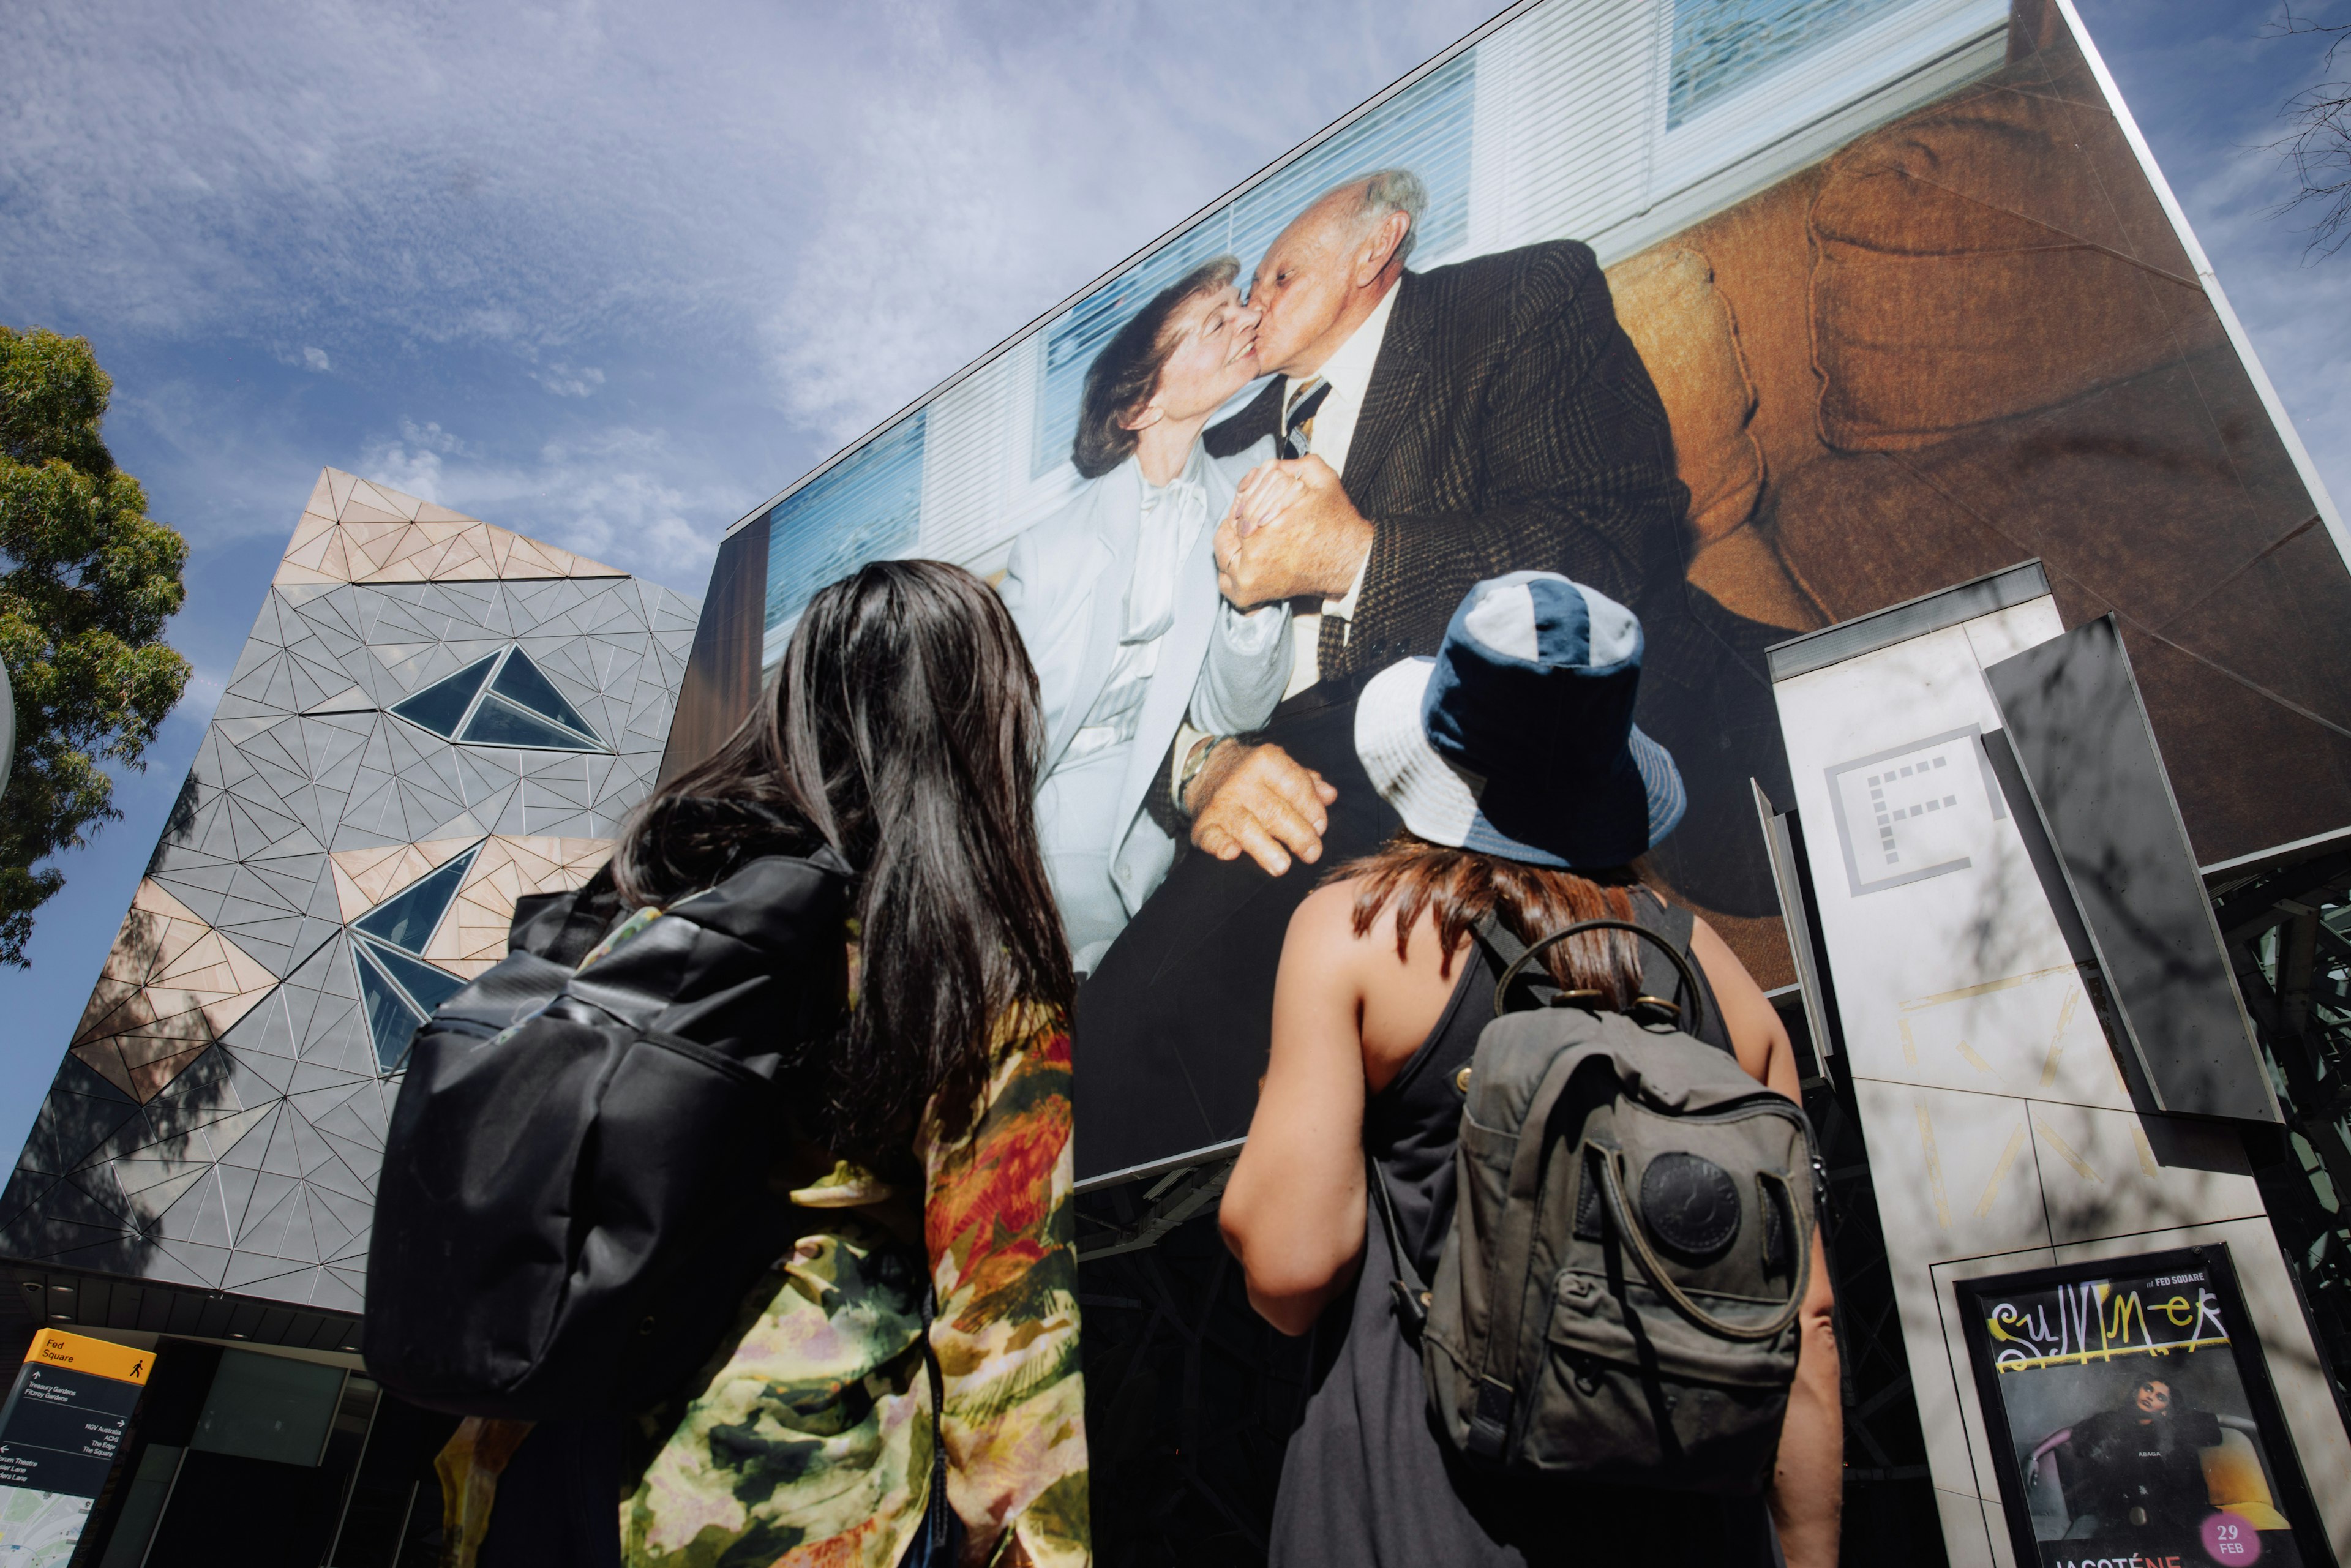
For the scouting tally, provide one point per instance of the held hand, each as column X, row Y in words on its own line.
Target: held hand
column 1257, row 800
column 1264, row 493
column 1292, row 531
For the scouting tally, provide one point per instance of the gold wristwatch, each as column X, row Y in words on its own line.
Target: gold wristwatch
column 1192, row 767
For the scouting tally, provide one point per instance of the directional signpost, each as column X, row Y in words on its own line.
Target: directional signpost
column 60, row 1433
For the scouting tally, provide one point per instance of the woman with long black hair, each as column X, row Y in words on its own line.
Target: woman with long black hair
column 908, row 1375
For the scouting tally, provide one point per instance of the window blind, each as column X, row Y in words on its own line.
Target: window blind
column 863, row 508
column 1720, row 46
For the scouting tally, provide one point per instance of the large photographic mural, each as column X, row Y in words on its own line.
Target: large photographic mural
column 1755, row 314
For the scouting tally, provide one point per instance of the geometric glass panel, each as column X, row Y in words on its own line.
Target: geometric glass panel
column 500, row 723
column 427, row 987
column 440, row 706
column 523, row 682
column 409, row 917
column 392, row 1020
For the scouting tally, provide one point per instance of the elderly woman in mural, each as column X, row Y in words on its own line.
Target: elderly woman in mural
column 1115, row 596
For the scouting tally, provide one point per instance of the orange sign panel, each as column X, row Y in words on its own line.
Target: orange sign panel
column 102, row 1357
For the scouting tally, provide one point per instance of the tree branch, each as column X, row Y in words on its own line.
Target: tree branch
column 2319, row 146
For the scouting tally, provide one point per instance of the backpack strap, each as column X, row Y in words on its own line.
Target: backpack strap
column 1509, row 1260
column 590, row 915
column 1504, row 949
column 1661, row 978
column 1689, row 1019
column 1675, row 925
column 562, row 927
column 1611, row 1163
column 1408, row 1289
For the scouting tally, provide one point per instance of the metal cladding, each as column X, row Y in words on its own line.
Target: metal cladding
column 432, row 717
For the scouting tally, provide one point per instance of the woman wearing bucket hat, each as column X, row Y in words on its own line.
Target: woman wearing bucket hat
column 1527, row 793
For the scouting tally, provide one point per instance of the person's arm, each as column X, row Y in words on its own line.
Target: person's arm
column 1808, row 1479
column 1247, row 667
column 1001, row 1235
column 1293, row 1211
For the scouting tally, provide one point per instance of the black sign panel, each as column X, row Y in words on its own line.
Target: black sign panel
column 61, row 1429
column 2131, row 1417
column 2074, row 715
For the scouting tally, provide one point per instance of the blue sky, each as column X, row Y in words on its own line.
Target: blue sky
column 611, row 275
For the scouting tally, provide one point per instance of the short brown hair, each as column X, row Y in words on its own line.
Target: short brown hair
column 1461, row 887
column 1126, row 372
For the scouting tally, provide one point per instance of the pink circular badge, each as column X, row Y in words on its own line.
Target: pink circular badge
column 2229, row 1539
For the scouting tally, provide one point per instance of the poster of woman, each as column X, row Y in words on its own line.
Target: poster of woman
column 2130, row 1415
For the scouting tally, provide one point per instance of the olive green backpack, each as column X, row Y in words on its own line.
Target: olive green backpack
column 1617, row 1300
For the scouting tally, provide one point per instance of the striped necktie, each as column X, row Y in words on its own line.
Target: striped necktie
column 1297, row 423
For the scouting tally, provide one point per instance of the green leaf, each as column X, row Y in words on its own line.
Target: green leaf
column 87, row 582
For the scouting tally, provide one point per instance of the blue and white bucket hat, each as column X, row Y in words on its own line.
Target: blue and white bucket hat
column 1517, row 739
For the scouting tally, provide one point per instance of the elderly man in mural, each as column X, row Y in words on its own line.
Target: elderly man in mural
column 1435, row 429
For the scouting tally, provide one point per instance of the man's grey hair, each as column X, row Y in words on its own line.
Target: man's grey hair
column 1389, row 191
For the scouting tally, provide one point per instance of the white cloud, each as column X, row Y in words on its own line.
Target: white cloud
column 2208, row 85
column 875, row 194
column 413, row 462
column 770, row 224
column 413, row 470
column 622, row 494
column 201, row 696
column 565, row 381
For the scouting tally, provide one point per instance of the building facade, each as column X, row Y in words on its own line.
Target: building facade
column 432, row 716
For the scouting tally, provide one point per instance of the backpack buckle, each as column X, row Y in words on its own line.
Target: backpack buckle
column 1672, row 1010
column 1489, row 1421
column 1411, row 1308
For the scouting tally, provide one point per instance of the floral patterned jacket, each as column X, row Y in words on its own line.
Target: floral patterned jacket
column 812, row 1443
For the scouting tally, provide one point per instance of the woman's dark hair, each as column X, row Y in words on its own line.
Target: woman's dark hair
column 1461, row 887
column 1126, row 372
column 904, row 731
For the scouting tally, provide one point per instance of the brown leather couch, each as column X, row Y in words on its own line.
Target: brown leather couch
column 1972, row 337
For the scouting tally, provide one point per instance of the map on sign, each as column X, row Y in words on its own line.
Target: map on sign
column 39, row 1529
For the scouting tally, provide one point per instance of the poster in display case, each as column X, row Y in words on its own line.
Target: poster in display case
column 2131, row 1417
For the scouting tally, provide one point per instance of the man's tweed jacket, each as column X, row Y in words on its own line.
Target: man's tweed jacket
column 1509, row 424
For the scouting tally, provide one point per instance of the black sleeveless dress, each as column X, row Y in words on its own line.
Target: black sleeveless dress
column 1367, row 1481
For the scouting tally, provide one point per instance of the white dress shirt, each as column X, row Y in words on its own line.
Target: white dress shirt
column 1349, row 372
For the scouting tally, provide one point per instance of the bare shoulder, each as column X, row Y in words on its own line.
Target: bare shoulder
column 1713, row 956
column 1319, row 987
column 1734, row 987
column 1322, row 927
column 1324, row 956
column 1757, row 1035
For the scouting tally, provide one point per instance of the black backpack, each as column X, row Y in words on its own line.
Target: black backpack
column 574, row 1197
column 1617, row 1300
